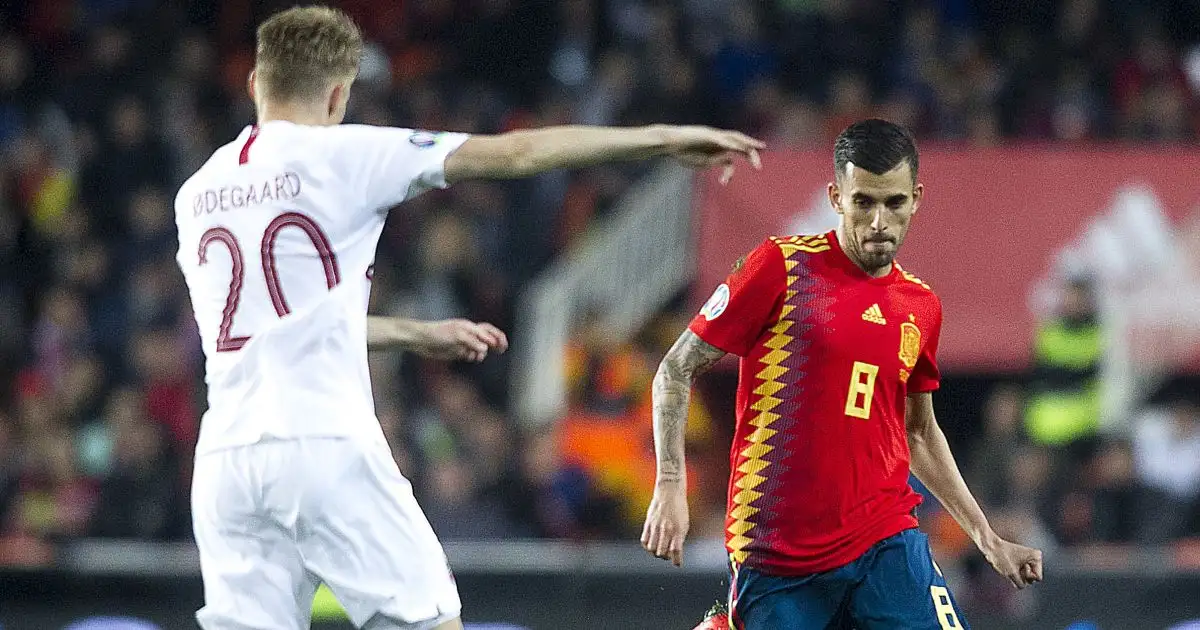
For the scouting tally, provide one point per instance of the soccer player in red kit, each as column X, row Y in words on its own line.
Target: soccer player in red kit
column 838, row 349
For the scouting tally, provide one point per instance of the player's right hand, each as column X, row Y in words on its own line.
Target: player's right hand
column 667, row 523
column 701, row 147
column 460, row 340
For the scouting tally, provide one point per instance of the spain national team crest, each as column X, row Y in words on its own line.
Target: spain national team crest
column 910, row 344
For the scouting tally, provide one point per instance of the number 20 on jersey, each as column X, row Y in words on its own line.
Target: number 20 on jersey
column 226, row 340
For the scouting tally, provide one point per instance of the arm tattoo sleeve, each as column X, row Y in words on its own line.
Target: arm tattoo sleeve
column 687, row 359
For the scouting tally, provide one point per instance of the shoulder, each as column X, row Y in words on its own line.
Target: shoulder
column 790, row 246
column 403, row 136
column 796, row 254
column 212, row 170
column 317, row 140
column 919, row 289
column 912, row 281
column 779, row 249
column 782, row 251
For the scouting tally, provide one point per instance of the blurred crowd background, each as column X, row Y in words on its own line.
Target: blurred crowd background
column 107, row 105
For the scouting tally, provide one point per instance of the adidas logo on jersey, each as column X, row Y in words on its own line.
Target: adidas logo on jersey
column 874, row 315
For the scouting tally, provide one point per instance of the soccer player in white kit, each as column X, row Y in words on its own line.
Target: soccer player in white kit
column 294, row 484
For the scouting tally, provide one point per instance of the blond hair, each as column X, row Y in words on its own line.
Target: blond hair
column 303, row 50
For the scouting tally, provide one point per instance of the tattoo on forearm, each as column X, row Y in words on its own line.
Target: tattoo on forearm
column 687, row 359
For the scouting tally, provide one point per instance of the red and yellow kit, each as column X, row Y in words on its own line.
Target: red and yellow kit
column 828, row 355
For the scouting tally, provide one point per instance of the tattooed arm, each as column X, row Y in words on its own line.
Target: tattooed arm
column 667, row 519
column 688, row 358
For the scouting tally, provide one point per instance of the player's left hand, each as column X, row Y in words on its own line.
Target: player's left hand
column 1021, row 565
column 460, row 340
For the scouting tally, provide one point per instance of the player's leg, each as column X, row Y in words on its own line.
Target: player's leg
column 759, row 601
column 367, row 539
column 253, row 574
column 904, row 588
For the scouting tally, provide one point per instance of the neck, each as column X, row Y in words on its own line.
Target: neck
column 298, row 113
column 850, row 247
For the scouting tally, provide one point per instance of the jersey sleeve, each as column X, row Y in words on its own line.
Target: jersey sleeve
column 392, row 164
column 744, row 305
column 926, row 376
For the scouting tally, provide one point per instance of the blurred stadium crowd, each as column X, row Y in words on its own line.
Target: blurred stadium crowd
column 106, row 105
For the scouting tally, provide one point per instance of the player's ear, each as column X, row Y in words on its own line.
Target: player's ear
column 918, row 193
column 250, row 88
column 835, row 197
column 339, row 98
column 335, row 100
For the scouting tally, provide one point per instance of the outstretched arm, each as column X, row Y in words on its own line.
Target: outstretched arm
column 528, row 152
column 667, row 519
column 933, row 463
column 451, row 339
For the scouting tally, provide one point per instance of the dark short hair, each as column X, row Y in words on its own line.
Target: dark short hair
column 875, row 145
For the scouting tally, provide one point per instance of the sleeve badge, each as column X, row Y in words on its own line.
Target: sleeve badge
column 716, row 304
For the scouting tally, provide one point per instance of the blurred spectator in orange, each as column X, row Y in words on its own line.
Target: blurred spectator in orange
column 553, row 497
column 608, row 430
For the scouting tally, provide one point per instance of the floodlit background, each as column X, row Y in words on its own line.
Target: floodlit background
column 1060, row 228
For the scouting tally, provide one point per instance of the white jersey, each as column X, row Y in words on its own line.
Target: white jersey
column 277, row 235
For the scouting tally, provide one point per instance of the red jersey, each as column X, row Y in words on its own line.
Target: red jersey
column 820, row 459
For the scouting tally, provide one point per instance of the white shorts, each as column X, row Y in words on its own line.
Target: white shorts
column 275, row 519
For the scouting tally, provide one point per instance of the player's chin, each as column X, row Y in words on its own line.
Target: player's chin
column 879, row 259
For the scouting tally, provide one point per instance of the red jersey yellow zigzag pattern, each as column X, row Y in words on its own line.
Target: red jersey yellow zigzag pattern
column 755, row 453
column 910, row 277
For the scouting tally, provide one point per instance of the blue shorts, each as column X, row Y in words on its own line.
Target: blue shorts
column 894, row 585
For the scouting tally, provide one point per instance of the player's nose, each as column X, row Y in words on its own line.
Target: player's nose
column 877, row 220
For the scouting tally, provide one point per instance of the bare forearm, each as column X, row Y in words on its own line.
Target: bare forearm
column 933, row 463
column 531, row 151
column 573, row 146
column 393, row 333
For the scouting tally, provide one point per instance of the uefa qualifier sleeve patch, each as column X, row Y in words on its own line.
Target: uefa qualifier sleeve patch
column 717, row 303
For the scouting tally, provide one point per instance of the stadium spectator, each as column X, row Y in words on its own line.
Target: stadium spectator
column 140, row 497
column 1116, row 493
column 53, row 499
column 999, row 444
column 10, row 462
column 1166, row 443
column 457, row 507
column 553, row 497
column 1064, row 403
